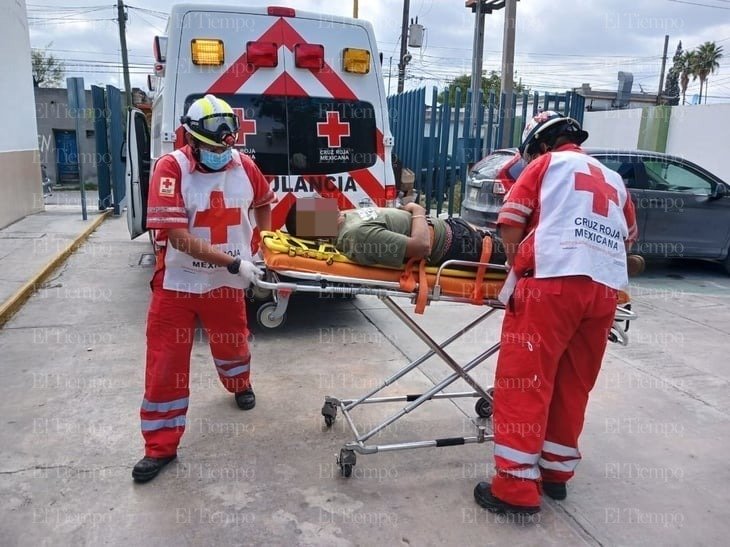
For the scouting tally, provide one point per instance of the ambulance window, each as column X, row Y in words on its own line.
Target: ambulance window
column 262, row 134
column 330, row 136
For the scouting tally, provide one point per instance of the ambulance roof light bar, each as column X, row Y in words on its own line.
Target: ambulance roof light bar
column 281, row 12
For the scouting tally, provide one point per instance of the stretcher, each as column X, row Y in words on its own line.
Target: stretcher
column 299, row 266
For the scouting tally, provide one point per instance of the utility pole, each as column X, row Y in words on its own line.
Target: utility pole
column 122, row 19
column 354, row 9
column 476, row 66
column 390, row 73
column 661, row 74
column 508, row 65
column 402, row 62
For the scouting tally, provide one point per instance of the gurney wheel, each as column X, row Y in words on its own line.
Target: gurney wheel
column 346, row 461
column 329, row 411
column 484, row 408
column 265, row 317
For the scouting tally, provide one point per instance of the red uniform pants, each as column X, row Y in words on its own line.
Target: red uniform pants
column 554, row 336
column 170, row 335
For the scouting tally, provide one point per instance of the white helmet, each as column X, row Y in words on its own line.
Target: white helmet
column 212, row 121
column 545, row 127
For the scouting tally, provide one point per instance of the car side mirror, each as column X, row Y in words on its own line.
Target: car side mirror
column 719, row 191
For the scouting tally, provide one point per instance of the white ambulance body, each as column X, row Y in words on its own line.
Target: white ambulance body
column 308, row 90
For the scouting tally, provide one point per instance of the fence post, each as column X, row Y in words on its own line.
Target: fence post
column 102, row 159
column 469, row 144
column 431, row 151
column 512, row 121
column 454, row 146
column 419, row 133
column 444, row 120
column 500, row 125
column 490, row 122
column 116, row 137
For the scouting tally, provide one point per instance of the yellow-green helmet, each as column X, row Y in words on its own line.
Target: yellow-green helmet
column 211, row 120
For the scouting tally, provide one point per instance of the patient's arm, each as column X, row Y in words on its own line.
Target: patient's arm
column 418, row 244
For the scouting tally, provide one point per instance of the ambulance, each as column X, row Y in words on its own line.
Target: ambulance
column 307, row 89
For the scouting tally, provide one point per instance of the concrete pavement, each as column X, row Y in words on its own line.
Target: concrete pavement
column 71, row 377
column 32, row 248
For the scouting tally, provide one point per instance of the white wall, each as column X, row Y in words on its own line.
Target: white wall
column 613, row 128
column 16, row 83
column 701, row 133
column 20, row 173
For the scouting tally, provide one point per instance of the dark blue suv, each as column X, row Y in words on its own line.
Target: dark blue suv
column 683, row 211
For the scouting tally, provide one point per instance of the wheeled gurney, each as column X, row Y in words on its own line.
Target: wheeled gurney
column 294, row 265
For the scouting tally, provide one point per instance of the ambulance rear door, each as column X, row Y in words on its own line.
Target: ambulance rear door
column 137, row 172
column 334, row 111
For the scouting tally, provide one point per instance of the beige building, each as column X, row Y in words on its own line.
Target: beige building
column 20, row 173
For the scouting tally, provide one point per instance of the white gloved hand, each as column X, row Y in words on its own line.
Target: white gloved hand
column 249, row 271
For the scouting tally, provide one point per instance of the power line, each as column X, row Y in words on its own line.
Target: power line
column 698, row 4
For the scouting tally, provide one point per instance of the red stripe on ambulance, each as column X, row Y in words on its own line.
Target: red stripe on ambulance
column 370, row 185
column 286, row 85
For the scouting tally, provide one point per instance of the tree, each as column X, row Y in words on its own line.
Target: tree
column 48, row 71
column 688, row 66
column 493, row 82
column 671, row 86
column 707, row 59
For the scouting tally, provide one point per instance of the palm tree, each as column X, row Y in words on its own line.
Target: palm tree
column 688, row 66
column 708, row 61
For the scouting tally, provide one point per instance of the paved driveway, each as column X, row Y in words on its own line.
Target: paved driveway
column 655, row 443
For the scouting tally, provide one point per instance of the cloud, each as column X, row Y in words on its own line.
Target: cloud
column 558, row 44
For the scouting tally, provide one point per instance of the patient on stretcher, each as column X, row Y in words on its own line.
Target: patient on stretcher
column 390, row 237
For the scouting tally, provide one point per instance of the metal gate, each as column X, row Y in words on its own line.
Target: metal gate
column 439, row 142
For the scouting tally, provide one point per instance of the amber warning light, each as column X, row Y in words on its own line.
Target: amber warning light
column 207, row 51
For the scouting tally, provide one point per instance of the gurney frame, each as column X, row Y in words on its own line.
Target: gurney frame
column 306, row 282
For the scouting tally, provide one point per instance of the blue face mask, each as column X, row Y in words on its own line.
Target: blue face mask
column 215, row 161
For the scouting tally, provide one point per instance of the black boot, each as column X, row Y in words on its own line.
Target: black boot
column 484, row 497
column 147, row 468
column 246, row 400
column 555, row 490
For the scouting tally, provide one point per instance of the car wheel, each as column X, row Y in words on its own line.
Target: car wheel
column 726, row 263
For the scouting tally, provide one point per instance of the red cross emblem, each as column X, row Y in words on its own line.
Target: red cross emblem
column 595, row 183
column 333, row 129
column 245, row 126
column 218, row 218
column 167, row 186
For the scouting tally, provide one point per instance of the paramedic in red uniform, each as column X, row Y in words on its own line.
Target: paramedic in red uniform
column 566, row 225
column 199, row 201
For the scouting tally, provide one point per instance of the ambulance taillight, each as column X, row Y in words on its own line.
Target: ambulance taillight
column 262, row 54
column 356, row 60
column 207, row 52
column 281, row 12
column 309, row 56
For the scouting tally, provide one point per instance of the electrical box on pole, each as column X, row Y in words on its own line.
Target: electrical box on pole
column 415, row 34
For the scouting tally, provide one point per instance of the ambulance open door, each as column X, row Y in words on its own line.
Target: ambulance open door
column 137, row 174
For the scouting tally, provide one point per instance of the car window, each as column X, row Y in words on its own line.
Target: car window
column 491, row 166
column 673, row 177
column 624, row 167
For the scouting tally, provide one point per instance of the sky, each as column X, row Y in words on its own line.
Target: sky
column 560, row 44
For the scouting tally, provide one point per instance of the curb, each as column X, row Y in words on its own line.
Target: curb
column 14, row 303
